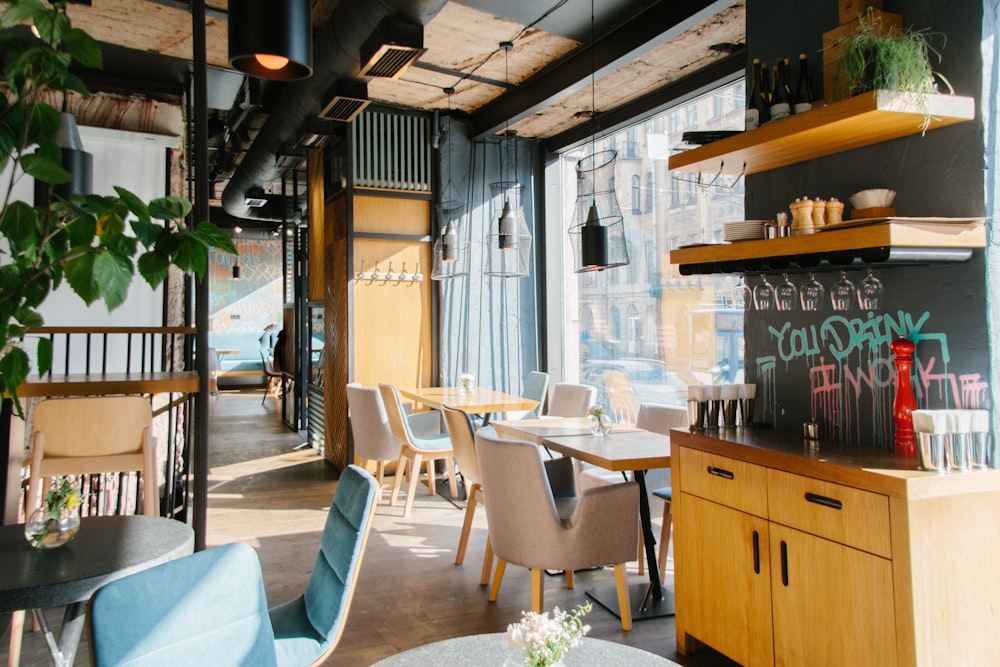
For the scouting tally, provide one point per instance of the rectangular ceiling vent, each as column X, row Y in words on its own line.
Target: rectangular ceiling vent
column 349, row 99
column 392, row 48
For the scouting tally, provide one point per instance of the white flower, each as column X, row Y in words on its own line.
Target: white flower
column 546, row 640
column 467, row 379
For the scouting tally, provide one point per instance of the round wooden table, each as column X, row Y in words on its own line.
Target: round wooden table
column 489, row 649
column 105, row 549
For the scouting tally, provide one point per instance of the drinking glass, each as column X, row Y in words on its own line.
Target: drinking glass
column 811, row 294
column 742, row 296
column 763, row 294
column 870, row 292
column 842, row 294
column 785, row 294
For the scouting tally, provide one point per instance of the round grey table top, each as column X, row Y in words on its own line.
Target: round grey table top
column 105, row 549
column 489, row 649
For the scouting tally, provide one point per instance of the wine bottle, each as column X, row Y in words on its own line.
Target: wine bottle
column 780, row 104
column 753, row 107
column 803, row 91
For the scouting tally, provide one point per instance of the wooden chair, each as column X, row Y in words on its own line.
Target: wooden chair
column 533, row 524
column 415, row 450
column 85, row 436
column 463, row 440
column 621, row 400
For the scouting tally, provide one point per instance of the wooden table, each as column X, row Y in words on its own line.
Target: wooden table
column 625, row 448
column 480, row 401
column 105, row 549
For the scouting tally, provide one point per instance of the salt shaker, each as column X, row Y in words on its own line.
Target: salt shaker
column 819, row 213
column 802, row 216
column 834, row 211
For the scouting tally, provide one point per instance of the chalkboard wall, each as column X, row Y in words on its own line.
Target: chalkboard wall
column 836, row 367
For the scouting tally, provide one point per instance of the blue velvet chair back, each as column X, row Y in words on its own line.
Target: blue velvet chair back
column 308, row 628
column 208, row 608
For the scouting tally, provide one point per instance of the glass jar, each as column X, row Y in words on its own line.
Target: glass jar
column 45, row 530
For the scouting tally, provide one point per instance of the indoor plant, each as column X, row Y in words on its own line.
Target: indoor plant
column 82, row 241
column 877, row 56
column 57, row 521
column 545, row 641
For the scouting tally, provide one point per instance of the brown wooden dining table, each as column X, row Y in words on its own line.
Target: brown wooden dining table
column 626, row 448
column 479, row 400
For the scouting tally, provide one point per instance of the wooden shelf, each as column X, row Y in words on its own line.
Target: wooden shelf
column 889, row 236
column 862, row 120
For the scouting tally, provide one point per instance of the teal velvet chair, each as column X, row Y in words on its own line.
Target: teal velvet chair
column 307, row 629
column 208, row 607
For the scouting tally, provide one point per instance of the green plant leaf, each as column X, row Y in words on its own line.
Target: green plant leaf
column 23, row 11
column 153, row 267
column 84, row 48
column 44, row 169
column 81, row 230
column 79, row 274
column 43, row 123
column 148, row 233
column 110, row 225
column 169, row 208
column 20, row 224
column 43, row 355
column 29, row 318
column 14, row 367
column 113, row 273
column 135, row 205
column 191, row 255
column 215, row 237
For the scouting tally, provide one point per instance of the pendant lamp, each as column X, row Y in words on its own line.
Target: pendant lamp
column 450, row 252
column 508, row 242
column 271, row 39
column 78, row 162
column 597, row 231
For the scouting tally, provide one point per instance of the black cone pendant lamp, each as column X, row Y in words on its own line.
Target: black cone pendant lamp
column 78, row 162
column 271, row 39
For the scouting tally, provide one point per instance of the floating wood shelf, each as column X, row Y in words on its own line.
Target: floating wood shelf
column 893, row 241
column 862, row 120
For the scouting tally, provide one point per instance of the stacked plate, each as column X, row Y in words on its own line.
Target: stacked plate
column 743, row 230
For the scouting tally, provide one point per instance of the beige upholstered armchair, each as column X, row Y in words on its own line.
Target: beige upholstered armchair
column 536, row 520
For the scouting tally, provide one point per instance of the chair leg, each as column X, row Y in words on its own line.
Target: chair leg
column 569, row 579
column 380, row 478
column 397, row 481
column 641, row 556
column 665, row 539
column 470, row 512
column 487, row 563
column 497, row 578
column 16, row 633
column 624, row 604
column 537, row 590
column 449, row 464
column 431, row 483
column 411, row 489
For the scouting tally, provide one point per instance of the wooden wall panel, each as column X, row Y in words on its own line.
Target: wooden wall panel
column 336, row 367
column 317, row 222
column 392, row 215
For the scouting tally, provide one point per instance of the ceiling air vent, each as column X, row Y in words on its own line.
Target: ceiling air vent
column 255, row 198
column 349, row 99
column 394, row 46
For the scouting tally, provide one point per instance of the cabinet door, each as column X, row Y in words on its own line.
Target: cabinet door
column 832, row 605
column 722, row 580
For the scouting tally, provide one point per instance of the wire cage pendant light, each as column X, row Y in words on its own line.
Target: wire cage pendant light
column 271, row 40
column 450, row 252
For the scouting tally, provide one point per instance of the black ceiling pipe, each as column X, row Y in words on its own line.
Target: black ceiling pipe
column 337, row 55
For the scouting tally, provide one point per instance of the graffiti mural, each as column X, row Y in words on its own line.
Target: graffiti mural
column 851, row 374
column 254, row 300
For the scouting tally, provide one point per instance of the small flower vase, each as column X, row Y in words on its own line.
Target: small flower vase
column 599, row 426
column 466, row 382
column 45, row 531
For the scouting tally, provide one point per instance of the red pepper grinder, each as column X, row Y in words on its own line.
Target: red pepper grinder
column 905, row 402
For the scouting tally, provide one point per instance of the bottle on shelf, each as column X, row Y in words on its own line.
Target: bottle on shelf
column 764, row 91
column 756, row 110
column 780, row 104
column 803, row 98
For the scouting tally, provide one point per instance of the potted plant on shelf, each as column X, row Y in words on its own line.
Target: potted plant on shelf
column 83, row 239
column 877, row 56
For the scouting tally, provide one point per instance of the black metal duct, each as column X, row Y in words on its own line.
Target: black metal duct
column 337, row 55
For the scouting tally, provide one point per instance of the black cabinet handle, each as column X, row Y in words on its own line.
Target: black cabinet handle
column 756, row 552
column 832, row 503
column 720, row 472
column 784, row 562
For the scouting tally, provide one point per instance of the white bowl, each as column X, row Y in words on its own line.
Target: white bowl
column 873, row 198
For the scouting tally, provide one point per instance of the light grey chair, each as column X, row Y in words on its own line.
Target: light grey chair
column 534, row 523
column 660, row 419
column 415, row 450
column 571, row 400
column 373, row 438
column 536, row 387
column 272, row 378
column 463, row 440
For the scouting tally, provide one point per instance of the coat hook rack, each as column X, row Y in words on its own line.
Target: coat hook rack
column 389, row 276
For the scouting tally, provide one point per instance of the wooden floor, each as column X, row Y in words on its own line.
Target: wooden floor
column 264, row 491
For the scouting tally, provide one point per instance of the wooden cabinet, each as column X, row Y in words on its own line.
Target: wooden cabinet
column 836, row 555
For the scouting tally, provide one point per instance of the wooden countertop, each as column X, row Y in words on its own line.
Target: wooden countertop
column 858, row 466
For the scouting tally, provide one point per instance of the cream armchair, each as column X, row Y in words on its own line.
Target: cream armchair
column 537, row 522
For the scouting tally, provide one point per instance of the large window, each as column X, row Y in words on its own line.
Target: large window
column 646, row 323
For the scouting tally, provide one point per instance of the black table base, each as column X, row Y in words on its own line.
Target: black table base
column 644, row 605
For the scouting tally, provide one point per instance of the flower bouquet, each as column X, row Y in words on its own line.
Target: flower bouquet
column 600, row 424
column 545, row 641
column 57, row 521
column 467, row 380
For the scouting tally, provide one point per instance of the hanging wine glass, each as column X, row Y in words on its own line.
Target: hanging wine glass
column 785, row 294
column 870, row 292
column 842, row 294
column 763, row 295
column 742, row 296
column 811, row 294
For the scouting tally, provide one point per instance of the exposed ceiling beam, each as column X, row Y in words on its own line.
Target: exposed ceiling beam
column 732, row 67
column 648, row 29
column 210, row 12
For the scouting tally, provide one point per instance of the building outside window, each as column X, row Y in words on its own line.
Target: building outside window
column 663, row 331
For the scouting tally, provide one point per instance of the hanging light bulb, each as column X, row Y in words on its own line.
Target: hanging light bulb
column 449, row 244
column 270, row 62
column 508, row 229
column 236, row 269
column 594, row 241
